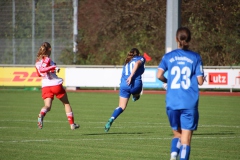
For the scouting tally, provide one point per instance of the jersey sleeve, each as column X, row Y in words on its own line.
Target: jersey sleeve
column 37, row 67
column 46, row 65
column 163, row 65
column 142, row 59
column 39, row 74
column 46, row 62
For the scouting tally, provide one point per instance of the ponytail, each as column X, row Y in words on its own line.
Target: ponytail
column 133, row 52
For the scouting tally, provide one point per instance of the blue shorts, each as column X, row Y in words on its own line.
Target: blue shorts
column 186, row 119
column 125, row 90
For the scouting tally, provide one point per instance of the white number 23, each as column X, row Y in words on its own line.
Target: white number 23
column 185, row 73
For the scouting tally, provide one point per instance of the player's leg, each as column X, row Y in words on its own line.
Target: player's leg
column 122, row 106
column 136, row 90
column 174, row 120
column 175, row 144
column 69, row 112
column 48, row 98
column 46, row 108
column 135, row 97
column 123, row 101
column 62, row 96
column 189, row 123
column 185, row 144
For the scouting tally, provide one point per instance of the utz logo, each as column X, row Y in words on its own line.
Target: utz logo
column 218, row 78
column 25, row 76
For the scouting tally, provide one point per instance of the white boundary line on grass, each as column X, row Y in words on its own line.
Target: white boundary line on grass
column 103, row 139
column 147, row 126
column 48, row 121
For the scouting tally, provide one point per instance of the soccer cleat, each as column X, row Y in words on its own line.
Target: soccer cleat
column 40, row 121
column 173, row 159
column 135, row 97
column 74, row 126
column 108, row 124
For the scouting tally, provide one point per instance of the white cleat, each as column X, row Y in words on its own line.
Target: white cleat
column 74, row 126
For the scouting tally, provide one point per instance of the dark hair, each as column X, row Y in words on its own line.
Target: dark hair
column 183, row 36
column 133, row 52
column 43, row 50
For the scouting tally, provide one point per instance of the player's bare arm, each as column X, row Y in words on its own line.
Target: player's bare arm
column 160, row 75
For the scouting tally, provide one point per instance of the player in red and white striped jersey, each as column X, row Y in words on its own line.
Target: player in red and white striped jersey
column 51, row 85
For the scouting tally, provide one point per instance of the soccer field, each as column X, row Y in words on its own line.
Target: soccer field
column 141, row 132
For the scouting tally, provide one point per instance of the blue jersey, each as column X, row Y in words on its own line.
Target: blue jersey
column 136, row 82
column 184, row 66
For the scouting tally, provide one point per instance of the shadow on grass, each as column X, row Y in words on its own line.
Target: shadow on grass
column 117, row 133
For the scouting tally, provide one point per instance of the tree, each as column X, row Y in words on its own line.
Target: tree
column 110, row 28
column 216, row 31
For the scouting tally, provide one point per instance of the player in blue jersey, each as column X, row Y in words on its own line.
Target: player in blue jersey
column 131, row 83
column 185, row 73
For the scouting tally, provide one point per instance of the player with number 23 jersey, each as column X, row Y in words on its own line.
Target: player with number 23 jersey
column 185, row 73
column 184, row 66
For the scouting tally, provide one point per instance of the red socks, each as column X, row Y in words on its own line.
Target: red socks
column 43, row 112
column 70, row 118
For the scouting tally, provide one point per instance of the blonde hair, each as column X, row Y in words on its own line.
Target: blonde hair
column 44, row 51
column 133, row 52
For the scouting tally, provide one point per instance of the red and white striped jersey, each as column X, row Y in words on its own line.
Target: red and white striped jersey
column 46, row 69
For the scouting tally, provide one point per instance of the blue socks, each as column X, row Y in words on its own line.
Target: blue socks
column 175, row 147
column 184, row 152
column 117, row 112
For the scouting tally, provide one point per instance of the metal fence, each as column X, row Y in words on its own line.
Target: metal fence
column 26, row 24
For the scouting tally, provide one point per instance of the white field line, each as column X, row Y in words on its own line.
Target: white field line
column 108, row 139
column 202, row 125
column 84, row 121
column 143, row 124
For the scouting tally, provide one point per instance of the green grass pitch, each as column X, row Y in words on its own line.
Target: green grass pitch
column 141, row 132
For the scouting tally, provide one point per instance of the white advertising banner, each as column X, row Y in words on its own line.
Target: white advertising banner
column 222, row 78
column 110, row 77
column 93, row 77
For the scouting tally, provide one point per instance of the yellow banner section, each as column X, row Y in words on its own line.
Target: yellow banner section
column 22, row 76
